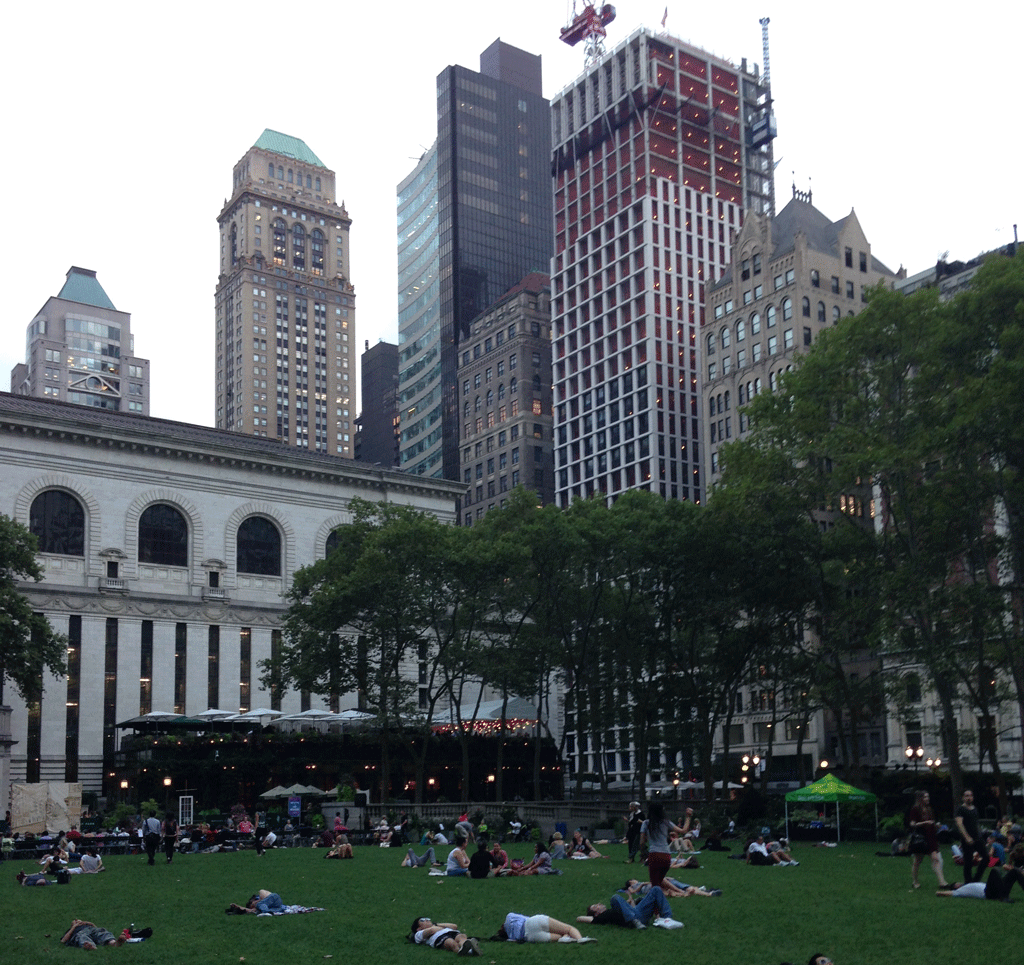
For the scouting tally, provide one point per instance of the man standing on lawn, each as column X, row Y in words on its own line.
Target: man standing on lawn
column 966, row 818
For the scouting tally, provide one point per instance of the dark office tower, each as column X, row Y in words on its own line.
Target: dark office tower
column 659, row 148
column 377, row 440
column 492, row 218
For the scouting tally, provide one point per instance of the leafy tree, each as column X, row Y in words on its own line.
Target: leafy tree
column 366, row 606
column 28, row 644
column 871, row 427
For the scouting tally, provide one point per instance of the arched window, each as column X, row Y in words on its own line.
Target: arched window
column 711, row 343
column 270, row 169
column 821, row 311
column 280, row 173
column 291, row 176
column 512, row 386
column 309, row 181
column 741, row 330
column 815, row 278
column 316, row 244
column 501, row 391
column 163, row 536
column 280, row 249
column 298, row 247
column 805, row 306
column 711, row 405
column 258, row 547
column 57, row 520
column 787, row 309
column 740, row 395
column 757, row 386
column 490, row 397
column 835, row 314
column 725, row 338
column 727, row 400
column 318, row 184
column 476, row 404
column 771, row 316
column 719, row 401
column 332, row 542
column 755, row 323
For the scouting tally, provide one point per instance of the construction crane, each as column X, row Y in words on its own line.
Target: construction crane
column 588, row 26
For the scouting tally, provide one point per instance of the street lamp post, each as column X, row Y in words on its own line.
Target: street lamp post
column 914, row 754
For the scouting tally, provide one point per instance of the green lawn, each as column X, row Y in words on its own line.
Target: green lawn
column 843, row 901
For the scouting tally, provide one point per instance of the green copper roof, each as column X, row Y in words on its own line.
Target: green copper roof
column 82, row 287
column 293, row 147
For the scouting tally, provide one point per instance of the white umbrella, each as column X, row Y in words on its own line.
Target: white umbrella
column 278, row 791
column 311, row 716
column 161, row 715
column 215, row 714
column 259, row 713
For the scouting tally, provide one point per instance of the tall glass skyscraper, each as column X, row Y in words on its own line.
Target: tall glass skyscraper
column 489, row 181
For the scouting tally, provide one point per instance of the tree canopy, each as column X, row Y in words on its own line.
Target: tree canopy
column 28, row 644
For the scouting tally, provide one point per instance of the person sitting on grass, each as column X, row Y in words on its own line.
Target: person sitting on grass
column 582, row 848
column 758, row 854
column 444, row 935
column 624, row 913
column 500, row 857
column 541, row 864
column 90, row 864
column 427, row 858
column 557, row 846
column 86, row 935
column 458, row 860
column 538, row 929
column 482, row 862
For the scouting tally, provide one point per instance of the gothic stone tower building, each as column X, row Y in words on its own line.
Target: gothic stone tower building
column 285, row 308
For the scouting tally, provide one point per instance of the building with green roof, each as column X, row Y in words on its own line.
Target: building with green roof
column 285, row 306
column 80, row 349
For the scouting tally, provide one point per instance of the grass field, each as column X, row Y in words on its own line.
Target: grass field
column 845, row 902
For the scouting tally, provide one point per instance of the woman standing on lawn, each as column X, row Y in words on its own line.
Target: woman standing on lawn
column 922, row 820
column 654, row 833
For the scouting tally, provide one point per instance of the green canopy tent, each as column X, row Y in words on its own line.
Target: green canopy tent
column 829, row 790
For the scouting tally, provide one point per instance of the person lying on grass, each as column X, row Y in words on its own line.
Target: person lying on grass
column 445, row 935
column 412, row 860
column 262, row 903
column 29, row 881
column 625, row 913
column 86, row 935
column 538, row 929
column 999, row 884
column 672, row 887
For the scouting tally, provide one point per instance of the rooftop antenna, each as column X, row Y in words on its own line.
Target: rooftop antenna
column 764, row 21
column 588, row 26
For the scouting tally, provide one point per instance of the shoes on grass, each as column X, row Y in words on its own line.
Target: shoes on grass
column 470, row 947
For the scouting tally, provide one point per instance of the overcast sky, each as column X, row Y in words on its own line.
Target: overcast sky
column 123, row 121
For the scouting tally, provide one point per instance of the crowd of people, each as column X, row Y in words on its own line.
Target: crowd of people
column 992, row 859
